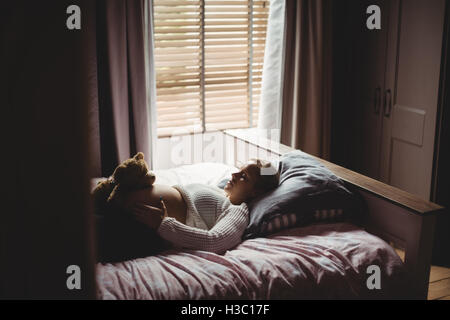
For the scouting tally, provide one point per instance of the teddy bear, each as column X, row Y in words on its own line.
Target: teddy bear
column 132, row 174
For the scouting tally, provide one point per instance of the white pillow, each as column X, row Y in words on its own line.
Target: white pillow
column 210, row 173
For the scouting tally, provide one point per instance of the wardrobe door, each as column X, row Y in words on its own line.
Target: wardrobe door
column 389, row 93
column 409, row 122
column 369, row 87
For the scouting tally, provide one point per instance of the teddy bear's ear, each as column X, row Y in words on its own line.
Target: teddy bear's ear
column 139, row 156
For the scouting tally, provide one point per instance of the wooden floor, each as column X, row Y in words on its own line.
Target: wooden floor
column 439, row 287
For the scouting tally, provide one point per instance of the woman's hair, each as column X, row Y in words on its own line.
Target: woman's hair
column 268, row 176
column 100, row 196
column 119, row 236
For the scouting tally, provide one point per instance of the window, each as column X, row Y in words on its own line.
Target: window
column 209, row 59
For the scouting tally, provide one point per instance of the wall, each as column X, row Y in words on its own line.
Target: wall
column 441, row 174
column 189, row 149
column 208, row 147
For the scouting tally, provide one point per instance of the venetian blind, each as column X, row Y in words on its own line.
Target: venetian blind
column 208, row 57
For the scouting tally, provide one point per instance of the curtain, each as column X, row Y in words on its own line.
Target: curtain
column 269, row 119
column 126, row 116
column 306, row 106
column 296, row 89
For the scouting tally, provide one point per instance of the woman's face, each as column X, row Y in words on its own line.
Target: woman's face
column 241, row 186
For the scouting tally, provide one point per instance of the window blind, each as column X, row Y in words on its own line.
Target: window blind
column 208, row 57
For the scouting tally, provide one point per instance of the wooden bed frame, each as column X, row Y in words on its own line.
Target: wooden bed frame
column 394, row 215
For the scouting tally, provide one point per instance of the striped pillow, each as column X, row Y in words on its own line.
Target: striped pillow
column 290, row 220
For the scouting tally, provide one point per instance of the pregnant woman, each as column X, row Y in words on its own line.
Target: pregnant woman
column 199, row 216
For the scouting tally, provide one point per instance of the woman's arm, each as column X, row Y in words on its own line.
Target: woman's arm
column 225, row 234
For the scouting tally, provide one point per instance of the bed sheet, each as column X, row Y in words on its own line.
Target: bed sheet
column 315, row 262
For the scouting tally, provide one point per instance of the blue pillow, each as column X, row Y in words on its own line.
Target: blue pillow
column 308, row 192
column 223, row 183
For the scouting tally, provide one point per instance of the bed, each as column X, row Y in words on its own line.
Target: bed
column 319, row 261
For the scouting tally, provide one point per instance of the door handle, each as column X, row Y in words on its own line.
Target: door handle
column 377, row 100
column 387, row 105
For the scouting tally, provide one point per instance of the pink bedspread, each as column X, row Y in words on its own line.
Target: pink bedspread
column 320, row 261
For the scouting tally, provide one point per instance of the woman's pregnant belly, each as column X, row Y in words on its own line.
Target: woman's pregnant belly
column 176, row 207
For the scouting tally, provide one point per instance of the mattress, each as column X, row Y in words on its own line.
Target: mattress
column 321, row 261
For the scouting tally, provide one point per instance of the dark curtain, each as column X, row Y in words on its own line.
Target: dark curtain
column 46, row 218
column 306, row 109
column 122, row 127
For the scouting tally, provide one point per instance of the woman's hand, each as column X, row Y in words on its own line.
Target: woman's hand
column 149, row 215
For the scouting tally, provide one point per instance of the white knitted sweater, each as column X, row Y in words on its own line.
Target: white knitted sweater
column 212, row 222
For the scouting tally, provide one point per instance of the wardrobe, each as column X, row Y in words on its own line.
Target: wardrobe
column 394, row 91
